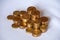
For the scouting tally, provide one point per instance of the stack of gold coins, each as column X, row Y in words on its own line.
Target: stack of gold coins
column 15, row 25
column 24, row 18
column 44, row 21
column 22, row 13
column 30, row 20
column 36, row 31
column 16, row 19
column 35, row 15
column 29, row 26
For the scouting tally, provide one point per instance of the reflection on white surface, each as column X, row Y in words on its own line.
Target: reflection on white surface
column 50, row 8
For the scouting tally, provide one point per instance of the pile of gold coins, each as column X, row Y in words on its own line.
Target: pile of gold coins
column 30, row 20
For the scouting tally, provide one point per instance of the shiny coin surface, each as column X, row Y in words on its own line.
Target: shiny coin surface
column 22, row 25
column 30, row 9
column 22, row 13
column 10, row 17
column 16, row 18
column 44, row 20
column 16, row 13
column 15, row 25
column 29, row 29
column 35, row 15
column 43, row 28
column 25, row 17
column 36, row 24
column 36, row 33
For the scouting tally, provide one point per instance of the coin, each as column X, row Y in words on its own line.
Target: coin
column 15, row 25
column 23, row 25
column 31, row 9
column 44, row 20
column 16, row 13
column 36, row 33
column 22, row 13
column 43, row 28
column 10, row 17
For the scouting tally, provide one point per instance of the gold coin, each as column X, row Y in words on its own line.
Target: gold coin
column 16, row 13
column 43, row 28
column 25, row 17
column 17, row 22
column 36, row 33
column 29, row 29
column 22, row 13
column 10, row 17
column 29, row 26
column 30, row 9
column 29, row 23
column 35, row 15
column 36, row 24
column 44, row 20
column 22, row 25
column 15, row 25
column 16, row 18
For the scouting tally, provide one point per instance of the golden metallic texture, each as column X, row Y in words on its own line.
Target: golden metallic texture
column 29, row 23
column 29, row 27
column 43, row 28
column 23, row 25
column 10, row 17
column 44, row 25
column 44, row 20
column 15, row 25
column 22, row 13
column 16, row 18
column 25, row 17
column 17, row 22
column 36, row 33
column 30, row 20
column 36, row 28
column 37, row 24
column 16, row 13
column 35, row 15
column 30, row 9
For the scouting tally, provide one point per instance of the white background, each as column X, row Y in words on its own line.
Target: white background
column 50, row 8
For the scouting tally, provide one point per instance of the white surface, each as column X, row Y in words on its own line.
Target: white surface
column 50, row 8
